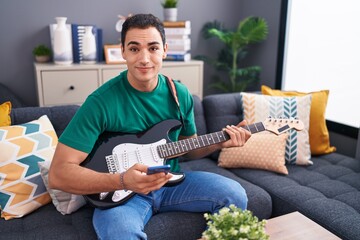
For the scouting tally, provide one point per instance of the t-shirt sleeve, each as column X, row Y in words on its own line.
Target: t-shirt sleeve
column 85, row 127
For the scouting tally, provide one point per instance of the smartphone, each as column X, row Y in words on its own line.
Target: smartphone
column 157, row 169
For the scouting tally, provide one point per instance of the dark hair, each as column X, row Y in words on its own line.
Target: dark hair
column 142, row 21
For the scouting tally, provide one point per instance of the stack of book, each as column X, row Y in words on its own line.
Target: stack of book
column 178, row 40
column 76, row 32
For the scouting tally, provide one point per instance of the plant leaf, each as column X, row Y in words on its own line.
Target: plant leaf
column 253, row 29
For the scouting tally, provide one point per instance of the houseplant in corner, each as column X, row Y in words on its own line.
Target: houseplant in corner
column 249, row 31
column 42, row 53
column 232, row 223
column 170, row 10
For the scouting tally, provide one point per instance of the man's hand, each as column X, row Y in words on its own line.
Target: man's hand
column 136, row 179
column 238, row 135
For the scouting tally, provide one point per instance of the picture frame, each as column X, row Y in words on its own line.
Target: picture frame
column 113, row 54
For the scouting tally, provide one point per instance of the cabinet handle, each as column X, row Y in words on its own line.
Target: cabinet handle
column 71, row 87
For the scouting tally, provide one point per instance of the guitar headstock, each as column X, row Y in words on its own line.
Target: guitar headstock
column 281, row 125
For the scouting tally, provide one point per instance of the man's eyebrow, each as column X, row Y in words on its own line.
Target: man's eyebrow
column 133, row 42
column 153, row 43
column 137, row 43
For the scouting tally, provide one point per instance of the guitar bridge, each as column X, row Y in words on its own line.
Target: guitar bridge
column 112, row 164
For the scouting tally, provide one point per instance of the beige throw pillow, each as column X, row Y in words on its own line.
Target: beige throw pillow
column 263, row 150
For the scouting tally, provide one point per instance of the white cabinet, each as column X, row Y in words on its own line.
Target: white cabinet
column 59, row 85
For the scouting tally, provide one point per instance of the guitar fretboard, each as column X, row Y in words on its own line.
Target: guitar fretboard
column 172, row 149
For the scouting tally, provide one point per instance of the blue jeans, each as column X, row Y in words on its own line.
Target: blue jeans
column 199, row 192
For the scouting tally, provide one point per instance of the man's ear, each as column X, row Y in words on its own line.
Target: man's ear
column 165, row 50
column 122, row 51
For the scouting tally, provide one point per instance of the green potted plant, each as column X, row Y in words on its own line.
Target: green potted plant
column 42, row 53
column 234, row 223
column 170, row 10
column 237, row 77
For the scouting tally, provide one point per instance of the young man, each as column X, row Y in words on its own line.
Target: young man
column 131, row 103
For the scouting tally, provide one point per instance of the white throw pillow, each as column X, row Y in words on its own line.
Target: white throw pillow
column 64, row 202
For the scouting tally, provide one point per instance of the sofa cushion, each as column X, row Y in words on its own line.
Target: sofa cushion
column 175, row 226
column 5, row 110
column 228, row 112
column 262, row 151
column 318, row 132
column 47, row 223
column 327, row 192
column 259, row 107
column 21, row 148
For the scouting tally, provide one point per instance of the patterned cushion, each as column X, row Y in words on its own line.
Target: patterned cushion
column 262, row 151
column 64, row 202
column 5, row 110
column 259, row 107
column 318, row 132
column 21, row 147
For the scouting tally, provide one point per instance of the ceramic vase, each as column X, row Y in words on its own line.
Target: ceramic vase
column 170, row 14
column 88, row 46
column 62, row 42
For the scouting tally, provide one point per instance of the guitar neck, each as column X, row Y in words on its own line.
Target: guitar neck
column 173, row 149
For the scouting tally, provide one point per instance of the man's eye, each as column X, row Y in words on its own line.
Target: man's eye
column 154, row 48
column 133, row 49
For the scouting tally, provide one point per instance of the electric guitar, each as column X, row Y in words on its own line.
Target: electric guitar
column 116, row 152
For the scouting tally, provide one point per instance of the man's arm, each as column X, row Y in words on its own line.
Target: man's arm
column 238, row 137
column 67, row 175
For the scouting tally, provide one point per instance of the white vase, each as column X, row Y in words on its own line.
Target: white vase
column 62, row 42
column 88, row 46
column 170, row 14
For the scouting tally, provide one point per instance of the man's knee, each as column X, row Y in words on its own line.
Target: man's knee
column 236, row 195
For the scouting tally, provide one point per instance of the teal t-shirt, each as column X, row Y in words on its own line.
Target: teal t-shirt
column 118, row 107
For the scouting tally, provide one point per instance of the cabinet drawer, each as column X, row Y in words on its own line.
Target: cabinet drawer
column 68, row 87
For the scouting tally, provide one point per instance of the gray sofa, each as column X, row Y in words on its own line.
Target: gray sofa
column 326, row 192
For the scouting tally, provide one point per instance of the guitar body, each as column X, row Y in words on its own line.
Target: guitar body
column 117, row 152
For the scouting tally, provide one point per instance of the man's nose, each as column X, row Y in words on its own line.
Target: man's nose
column 144, row 56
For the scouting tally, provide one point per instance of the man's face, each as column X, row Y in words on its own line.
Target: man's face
column 144, row 53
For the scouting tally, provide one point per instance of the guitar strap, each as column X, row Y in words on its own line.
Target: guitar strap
column 171, row 85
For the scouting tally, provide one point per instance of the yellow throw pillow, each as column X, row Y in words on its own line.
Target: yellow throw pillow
column 264, row 151
column 318, row 133
column 22, row 147
column 5, row 110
